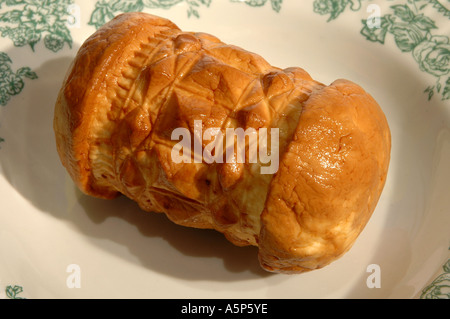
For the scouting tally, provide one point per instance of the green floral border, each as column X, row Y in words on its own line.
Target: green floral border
column 439, row 288
column 413, row 31
column 105, row 10
column 12, row 82
column 12, row 292
column 26, row 22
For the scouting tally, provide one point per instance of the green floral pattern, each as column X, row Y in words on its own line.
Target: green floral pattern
column 12, row 292
column 11, row 83
column 26, row 22
column 276, row 4
column 335, row 7
column 412, row 31
column 440, row 287
column 105, row 10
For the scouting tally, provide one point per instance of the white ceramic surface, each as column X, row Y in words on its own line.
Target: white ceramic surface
column 46, row 224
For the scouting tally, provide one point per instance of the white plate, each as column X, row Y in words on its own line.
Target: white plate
column 51, row 236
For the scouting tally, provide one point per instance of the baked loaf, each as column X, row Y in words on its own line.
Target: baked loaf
column 139, row 77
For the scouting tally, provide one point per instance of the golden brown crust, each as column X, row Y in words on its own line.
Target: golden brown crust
column 329, row 180
column 139, row 78
column 92, row 73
